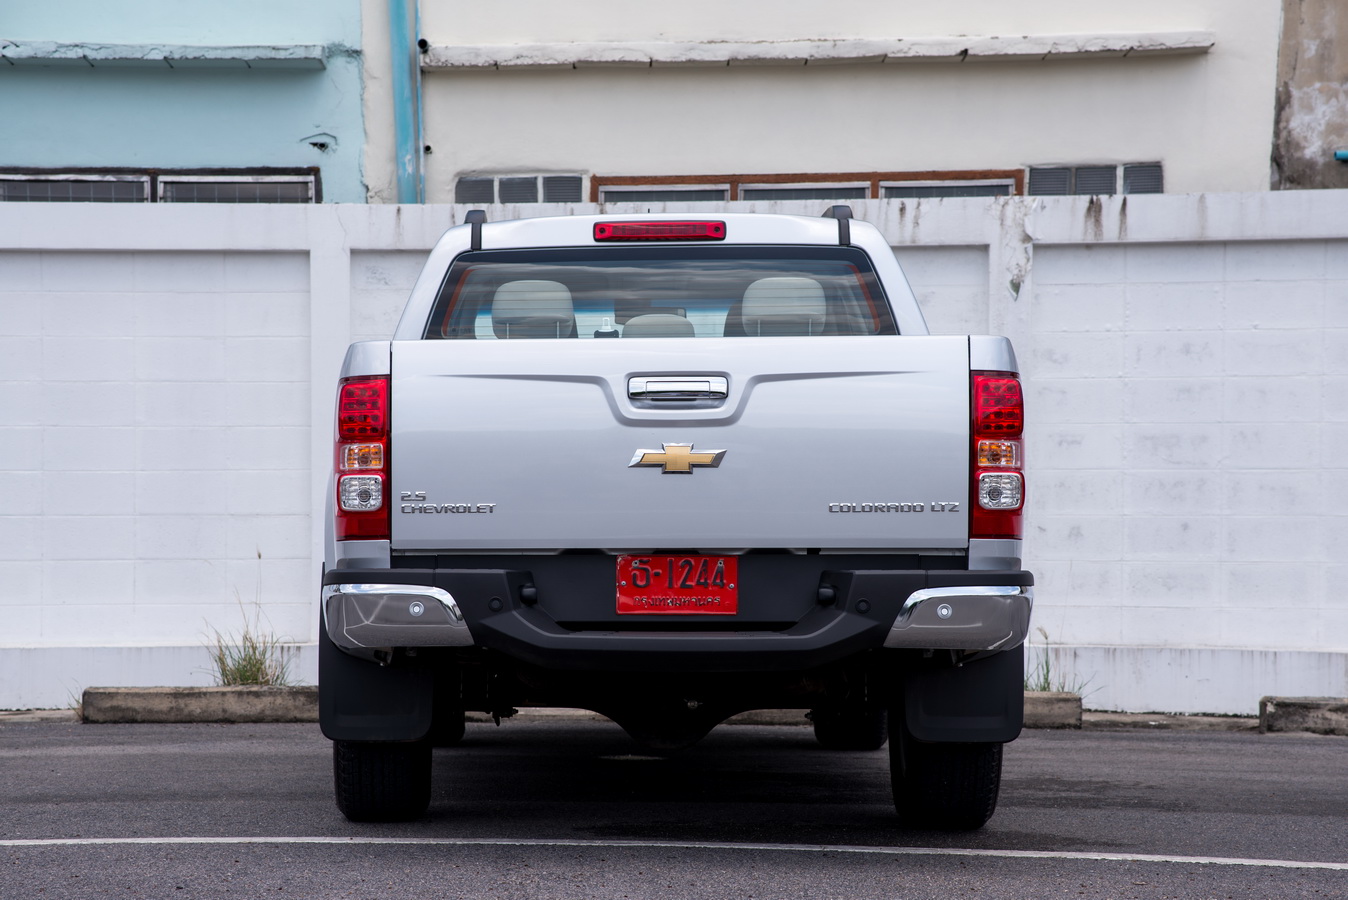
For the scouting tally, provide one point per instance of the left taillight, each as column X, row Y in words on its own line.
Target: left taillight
column 998, row 458
column 361, row 459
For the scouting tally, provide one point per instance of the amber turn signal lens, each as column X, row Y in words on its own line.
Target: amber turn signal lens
column 999, row 453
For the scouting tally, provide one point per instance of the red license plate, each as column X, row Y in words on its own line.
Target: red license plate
column 678, row 585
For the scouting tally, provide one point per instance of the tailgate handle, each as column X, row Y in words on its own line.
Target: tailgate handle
column 677, row 387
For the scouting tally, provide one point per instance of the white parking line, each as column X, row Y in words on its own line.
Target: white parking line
column 687, row 845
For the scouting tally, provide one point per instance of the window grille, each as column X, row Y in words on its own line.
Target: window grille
column 119, row 185
column 475, row 190
column 242, row 189
column 23, row 189
column 922, row 189
column 665, row 194
column 562, row 188
column 806, row 192
column 1143, row 179
column 1138, row 178
column 519, row 189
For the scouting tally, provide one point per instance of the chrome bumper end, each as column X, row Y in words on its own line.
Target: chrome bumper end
column 373, row 616
column 984, row 617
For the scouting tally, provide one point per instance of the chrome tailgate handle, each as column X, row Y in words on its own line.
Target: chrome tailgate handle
column 677, row 387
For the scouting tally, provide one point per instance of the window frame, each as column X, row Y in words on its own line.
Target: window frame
column 312, row 175
column 735, row 184
column 437, row 321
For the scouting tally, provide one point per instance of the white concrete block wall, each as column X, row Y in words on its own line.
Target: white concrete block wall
column 1181, row 447
column 951, row 285
column 166, row 377
column 165, row 431
column 380, row 283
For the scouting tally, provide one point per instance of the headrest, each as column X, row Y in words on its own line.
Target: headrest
column 658, row 325
column 784, row 305
column 532, row 309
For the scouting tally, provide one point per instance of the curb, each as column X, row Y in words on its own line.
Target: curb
column 1317, row 715
column 1052, row 709
column 105, row 705
column 1096, row 720
column 1043, row 710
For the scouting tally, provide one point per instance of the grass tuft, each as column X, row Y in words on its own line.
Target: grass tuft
column 1041, row 676
column 251, row 658
column 254, row 657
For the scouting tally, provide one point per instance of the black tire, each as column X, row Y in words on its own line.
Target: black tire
column 379, row 781
column 944, row 786
column 850, row 729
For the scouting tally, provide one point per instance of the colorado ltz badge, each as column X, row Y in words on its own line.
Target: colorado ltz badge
column 677, row 459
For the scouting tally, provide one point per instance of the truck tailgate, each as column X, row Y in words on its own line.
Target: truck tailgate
column 831, row 442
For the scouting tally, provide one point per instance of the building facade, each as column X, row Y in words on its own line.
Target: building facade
column 724, row 103
column 155, row 101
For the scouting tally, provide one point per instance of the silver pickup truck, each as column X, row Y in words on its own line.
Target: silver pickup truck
column 671, row 468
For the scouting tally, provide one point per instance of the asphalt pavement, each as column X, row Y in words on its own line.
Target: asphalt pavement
column 571, row 808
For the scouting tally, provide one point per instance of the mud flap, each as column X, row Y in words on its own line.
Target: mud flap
column 979, row 702
column 364, row 701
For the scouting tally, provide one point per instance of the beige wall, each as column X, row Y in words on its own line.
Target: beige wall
column 522, row 21
column 1208, row 117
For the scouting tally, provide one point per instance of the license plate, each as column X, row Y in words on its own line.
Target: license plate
column 678, row 585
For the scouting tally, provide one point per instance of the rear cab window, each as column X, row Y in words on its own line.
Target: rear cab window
column 642, row 292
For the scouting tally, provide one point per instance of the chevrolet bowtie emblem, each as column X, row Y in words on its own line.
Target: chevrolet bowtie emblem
column 677, row 459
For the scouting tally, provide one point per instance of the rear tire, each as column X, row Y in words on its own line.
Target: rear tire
column 943, row 786
column 378, row 781
column 850, row 729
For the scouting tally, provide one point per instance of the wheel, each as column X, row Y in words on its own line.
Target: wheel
column 379, row 781
column 850, row 729
column 946, row 786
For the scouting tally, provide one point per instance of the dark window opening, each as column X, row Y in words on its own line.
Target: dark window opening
column 130, row 185
column 841, row 192
column 951, row 189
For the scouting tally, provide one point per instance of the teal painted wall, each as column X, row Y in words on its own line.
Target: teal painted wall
column 157, row 116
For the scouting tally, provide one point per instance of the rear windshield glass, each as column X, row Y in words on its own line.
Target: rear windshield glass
column 642, row 292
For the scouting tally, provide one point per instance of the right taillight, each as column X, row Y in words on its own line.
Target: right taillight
column 997, row 456
column 361, row 461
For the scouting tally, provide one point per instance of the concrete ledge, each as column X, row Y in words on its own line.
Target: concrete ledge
column 1052, row 709
column 1097, row 720
column 1317, row 715
column 32, row 716
column 105, row 705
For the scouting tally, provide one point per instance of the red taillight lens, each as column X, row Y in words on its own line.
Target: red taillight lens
column 362, row 409
column 361, row 459
column 999, row 410
column 997, row 489
column 659, row 231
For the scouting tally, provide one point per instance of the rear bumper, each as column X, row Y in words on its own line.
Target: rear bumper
column 833, row 613
column 369, row 615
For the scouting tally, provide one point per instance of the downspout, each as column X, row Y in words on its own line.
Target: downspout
column 406, row 65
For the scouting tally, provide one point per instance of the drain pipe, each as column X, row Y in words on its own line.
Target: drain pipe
column 406, row 65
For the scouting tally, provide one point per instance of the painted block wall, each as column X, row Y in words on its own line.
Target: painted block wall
column 203, row 116
column 159, row 403
column 168, row 378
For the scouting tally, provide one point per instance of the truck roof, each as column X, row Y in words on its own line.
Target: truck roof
column 578, row 231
